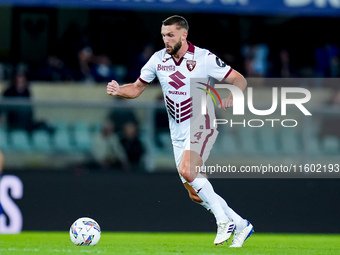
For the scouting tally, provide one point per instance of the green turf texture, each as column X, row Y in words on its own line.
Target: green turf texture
column 168, row 243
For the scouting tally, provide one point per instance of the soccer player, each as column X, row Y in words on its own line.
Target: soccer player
column 193, row 134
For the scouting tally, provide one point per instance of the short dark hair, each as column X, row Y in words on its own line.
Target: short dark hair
column 176, row 20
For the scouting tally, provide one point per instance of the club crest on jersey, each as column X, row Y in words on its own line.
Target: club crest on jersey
column 220, row 63
column 191, row 64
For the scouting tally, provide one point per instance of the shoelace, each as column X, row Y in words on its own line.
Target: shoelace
column 235, row 238
column 221, row 228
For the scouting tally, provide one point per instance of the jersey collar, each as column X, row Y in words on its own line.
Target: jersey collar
column 189, row 54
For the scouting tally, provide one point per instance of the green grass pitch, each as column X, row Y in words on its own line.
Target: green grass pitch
column 168, row 243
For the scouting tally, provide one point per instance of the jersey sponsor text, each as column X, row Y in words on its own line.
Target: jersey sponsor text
column 165, row 68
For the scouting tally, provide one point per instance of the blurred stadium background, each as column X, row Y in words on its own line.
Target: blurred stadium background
column 75, row 152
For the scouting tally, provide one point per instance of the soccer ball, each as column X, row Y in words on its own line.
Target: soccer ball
column 85, row 231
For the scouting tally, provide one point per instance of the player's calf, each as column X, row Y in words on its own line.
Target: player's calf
column 192, row 194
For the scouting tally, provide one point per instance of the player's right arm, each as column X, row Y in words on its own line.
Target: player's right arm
column 131, row 90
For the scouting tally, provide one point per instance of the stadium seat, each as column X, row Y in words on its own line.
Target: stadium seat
column 82, row 136
column 41, row 141
column 61, row 139
column 268, row 141
column 225, row 144
column 247, row 139
column 290, row 141
column 330, row 145
column 20, row 141
column 96, row 128
column 313, row 147
column 4, row 145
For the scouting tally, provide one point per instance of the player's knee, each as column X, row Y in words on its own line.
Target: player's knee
column 184, row 170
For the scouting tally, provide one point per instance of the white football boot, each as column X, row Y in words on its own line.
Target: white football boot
column 242, row 235
column 224, row 231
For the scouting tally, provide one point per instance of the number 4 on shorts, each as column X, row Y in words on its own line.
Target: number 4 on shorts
column 198, row 135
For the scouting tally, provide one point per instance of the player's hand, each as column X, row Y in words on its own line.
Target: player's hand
column 226, row 103
column 112, row 88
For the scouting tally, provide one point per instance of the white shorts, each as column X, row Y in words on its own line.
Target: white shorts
column 201, row 142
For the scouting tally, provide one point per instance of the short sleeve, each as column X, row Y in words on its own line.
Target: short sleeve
column 148, row 72
column 216, row 68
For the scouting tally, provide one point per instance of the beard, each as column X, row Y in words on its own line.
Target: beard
column 176, row 48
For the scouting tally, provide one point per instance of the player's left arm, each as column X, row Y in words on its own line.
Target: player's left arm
column 237, row 80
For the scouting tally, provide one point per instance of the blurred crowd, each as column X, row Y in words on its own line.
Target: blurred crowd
column 259, row 61
column 255, row 60
column 77, row 58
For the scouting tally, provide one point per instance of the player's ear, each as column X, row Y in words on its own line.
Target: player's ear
column 184, row 34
